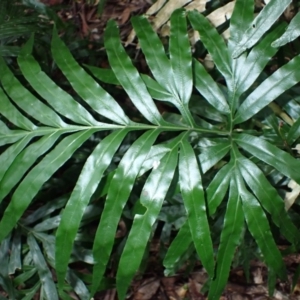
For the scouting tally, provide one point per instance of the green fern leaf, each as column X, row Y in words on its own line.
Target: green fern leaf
column 205, row 151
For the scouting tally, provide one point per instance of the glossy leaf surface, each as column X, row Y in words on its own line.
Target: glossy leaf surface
column 89, row 90
column 201, row 161
column 291, row 33
column 280, row 81
column 213, row 42
column 178, row 247
column 193, row 197
column 86, row 185
column 154, row 52
column 269, row 198
column 270, row 154
column 240, row 20
column 265, row 19
column 209, row 89
column 256, row 60
column 118, row 193
column 152, row 196
column 32, row 183
column 128, row 76
column 259, row 228
column 24, row 161
column 47, row 89
column 230, row 236
column 181, row 57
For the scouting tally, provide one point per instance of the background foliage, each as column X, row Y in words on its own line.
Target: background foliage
column 211, row 171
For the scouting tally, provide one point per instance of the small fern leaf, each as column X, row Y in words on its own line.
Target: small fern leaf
column 208, row 88
column 193, row 197
column 10, row 154
column 213, row 154
column 49, row 91
column 26, row 100
column 240, row 20
column 24, row 161
column 279, row 82
column 152, row 197
column 269, row 199
column 256, row 60
column 291, row 33
column 84, row 85
column 259, row 227
column 85, row 187
column 178, row 248
column 270, row 154
column 117, row 196
column 230, row 237
column 8, row 136
column 154, row 52
column 261, row 24
column 181, row 57
column 11, row 113
column 213, row 42
column 34, row 180
column 218, row 187
column 129, row 77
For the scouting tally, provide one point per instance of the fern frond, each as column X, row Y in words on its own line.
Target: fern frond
column 42, row 126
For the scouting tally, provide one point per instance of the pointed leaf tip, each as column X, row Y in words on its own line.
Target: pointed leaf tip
column 291, row 33
column 261, row 24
